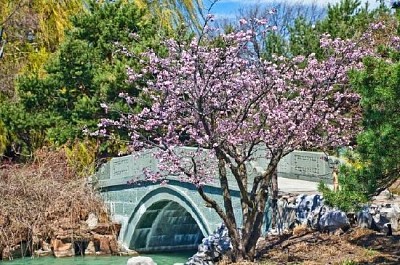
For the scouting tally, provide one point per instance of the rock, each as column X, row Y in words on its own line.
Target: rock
column 113, row 245
column 124, row 251
column 333, row 220
column 380, row 221
column 139, row 260
column 128, row 252
column 309, row 209
column 45, row 246
column 391, row 213
column 378, row 217
column 293, row 211
column 287, row 212
column 352, row 217
column 107, row 244
column 107, row 228
column 365, row 220
column 305, row 205
column 43, row 253
column 339, row 232
column 212, row 248
column 64, row 253
column 90, row 249
column 315, row 216
column 62, row 249
column 104, row 244
column 92, row 220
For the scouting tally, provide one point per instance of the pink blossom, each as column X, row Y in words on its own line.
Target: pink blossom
column 223, row 101
column 243, row 21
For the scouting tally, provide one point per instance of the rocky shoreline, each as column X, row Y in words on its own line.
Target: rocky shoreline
column 90, row 237
column 48, row 208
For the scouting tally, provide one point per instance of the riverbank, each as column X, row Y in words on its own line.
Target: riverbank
column 47, row 209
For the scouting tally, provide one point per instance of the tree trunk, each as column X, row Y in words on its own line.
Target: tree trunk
column 244, row 246
column 253, row 204
column 274, row 201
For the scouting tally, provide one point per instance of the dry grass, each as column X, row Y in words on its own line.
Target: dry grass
column 357, row 246
column 42, row 198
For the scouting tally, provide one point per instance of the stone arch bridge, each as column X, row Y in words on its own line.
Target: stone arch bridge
column 173, row 216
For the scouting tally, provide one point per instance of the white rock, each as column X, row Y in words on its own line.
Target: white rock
column 139, row 260
column 333, row 220
column 92, row 220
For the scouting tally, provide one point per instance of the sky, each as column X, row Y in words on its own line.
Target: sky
column 229, row 8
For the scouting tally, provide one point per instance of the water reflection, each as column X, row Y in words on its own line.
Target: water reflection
column 159, row 258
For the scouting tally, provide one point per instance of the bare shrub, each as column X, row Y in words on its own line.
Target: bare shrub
column 43, row 199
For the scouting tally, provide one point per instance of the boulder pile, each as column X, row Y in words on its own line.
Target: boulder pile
column 67, row 239
column 212, row 248
column 311, row 211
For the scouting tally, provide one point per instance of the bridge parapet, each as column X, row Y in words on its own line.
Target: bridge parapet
column 303, row 165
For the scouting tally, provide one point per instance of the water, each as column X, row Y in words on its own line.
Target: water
column 167, row 258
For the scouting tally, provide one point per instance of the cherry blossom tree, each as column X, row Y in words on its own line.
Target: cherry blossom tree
column 215, row 92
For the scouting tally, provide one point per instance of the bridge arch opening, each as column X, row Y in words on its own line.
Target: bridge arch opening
column 166, row 225
column 166, row 218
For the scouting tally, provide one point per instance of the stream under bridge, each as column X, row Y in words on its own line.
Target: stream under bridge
column 164, row 217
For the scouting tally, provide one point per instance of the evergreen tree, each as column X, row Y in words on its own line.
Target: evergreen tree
column 346, row 19
column 29, row 32
column 375, row 163
column 379, row 143
column 89, row 68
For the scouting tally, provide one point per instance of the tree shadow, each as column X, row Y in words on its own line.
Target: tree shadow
column 285, row 241
column 389, row 246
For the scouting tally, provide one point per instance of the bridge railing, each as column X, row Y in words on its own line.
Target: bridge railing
column 303, row 165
